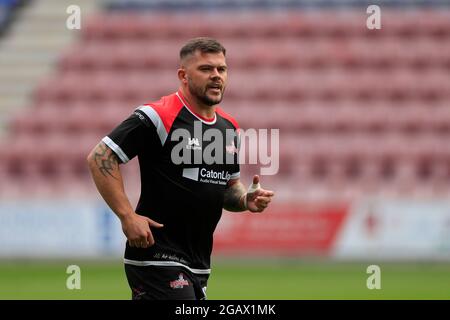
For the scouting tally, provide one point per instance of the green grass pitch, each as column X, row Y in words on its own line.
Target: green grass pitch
column 236, row 279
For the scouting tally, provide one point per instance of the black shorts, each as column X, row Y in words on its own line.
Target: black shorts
column 165, row 283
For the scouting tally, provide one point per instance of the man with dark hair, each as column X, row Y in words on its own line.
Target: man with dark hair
column 204, row 45
column 170, row 234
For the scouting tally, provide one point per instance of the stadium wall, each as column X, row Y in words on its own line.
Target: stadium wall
column 373, row 228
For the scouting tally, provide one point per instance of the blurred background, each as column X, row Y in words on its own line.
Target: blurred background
column 364, row 120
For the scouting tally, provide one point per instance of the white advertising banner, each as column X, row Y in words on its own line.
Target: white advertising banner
column 384, row 229
column 58, row 229
column 396, row 229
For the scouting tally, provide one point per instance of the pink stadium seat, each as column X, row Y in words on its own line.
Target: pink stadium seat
column 339, row 24
column 434, row 23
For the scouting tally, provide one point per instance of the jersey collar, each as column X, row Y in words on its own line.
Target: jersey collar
column 199, row 117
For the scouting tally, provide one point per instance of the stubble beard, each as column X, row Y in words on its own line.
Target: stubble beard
column 200, row 95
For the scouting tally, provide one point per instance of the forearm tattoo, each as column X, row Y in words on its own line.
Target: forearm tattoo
column 106, row 160
column 232, row 197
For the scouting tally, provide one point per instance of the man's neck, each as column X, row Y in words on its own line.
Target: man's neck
column 197, row 107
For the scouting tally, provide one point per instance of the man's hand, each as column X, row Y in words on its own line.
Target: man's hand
column 258, row 200
column 137, row 230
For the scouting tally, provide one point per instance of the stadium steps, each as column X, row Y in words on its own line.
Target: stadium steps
column 29, row 50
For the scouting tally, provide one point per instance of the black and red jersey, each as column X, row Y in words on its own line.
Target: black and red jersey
column 186, row 197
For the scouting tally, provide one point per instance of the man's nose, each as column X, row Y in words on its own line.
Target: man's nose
column 215, row 74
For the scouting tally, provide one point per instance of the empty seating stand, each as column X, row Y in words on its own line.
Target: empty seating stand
column 359, row 111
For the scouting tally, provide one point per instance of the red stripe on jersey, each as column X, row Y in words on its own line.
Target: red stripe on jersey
column 168, row 108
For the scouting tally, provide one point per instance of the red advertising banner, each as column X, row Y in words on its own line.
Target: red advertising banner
column 290, row 229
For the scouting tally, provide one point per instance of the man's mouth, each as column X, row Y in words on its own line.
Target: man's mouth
column 216, row 88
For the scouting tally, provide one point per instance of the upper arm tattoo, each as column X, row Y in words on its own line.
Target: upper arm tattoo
column 106, row 160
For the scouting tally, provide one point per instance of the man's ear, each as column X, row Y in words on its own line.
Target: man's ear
column 182, row 75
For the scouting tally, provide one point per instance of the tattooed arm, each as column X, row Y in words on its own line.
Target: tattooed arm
column 104, row 166
column 234, row 196
column 106, row 161
column 237, row 199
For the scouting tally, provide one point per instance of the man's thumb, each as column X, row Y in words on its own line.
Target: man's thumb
column 255, row 186
column 154, row 223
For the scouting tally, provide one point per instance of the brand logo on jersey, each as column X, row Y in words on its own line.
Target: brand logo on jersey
column 229, row 147
column 211, row 174
column 180, row 283
column 207, row 176
column 193, row 144
column 214, row 177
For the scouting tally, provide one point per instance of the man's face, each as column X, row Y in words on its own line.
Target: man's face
column 206, row 75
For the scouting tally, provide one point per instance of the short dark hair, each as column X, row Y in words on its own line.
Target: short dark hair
column 203, row 44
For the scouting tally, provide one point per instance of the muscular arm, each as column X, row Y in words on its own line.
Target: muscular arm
column 234, row 196
column 104, row 166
